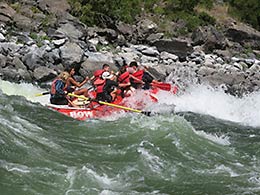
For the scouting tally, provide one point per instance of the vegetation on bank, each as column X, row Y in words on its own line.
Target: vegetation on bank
column 246, row 10
column 106, row 13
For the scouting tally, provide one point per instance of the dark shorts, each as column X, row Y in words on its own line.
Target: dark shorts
column 106, row 97
column 59, row 101
column 70, row 89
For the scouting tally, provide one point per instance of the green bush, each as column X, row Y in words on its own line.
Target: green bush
column 206, row 19
column 247, row 11
column 107, row 13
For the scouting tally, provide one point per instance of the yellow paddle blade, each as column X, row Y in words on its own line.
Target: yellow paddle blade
column 41, row 94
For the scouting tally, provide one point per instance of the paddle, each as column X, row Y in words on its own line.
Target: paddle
column 163, row 86
column 41, row 94
column 147, row 113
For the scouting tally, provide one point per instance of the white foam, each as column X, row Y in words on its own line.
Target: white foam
column 24, row 89
column 205, row 100
column 219, row 139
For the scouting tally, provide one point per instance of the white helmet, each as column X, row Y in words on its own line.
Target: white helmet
column 106, row 75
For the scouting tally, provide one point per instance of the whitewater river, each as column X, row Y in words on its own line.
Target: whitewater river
column 210, row 146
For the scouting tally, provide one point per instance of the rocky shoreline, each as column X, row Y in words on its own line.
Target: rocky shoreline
column 36, row 44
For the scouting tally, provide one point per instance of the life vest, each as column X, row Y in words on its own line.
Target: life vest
column 99, row 84
column 138, row 74
column 98, row 73
column 124, row 78
column 53, row 87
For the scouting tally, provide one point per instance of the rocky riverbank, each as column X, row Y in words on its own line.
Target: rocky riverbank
column 38, row 39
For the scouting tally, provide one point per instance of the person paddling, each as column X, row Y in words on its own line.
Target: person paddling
column 140, row 74
column 72, row 84
column 108, row 89
column 98, row 73
column 124, row 82
column 58, row 93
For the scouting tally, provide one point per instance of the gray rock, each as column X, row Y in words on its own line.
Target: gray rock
column 166, row 56
column 146, row 26
column 149, row 60
column 2, row 61
column 244, row 35
column 151, row 51
column 18, row 64
column 34, row 58
column 71, row 53
column 178, row 47
column 53, row 56
column 210, row 38
column 24, row 75
column 2, row 37
column 43, row 74
column 154, row 37
column 10, row 48
column 59, row 42
column 6, row 12
column 69, row 30
column 204, row 71
column 11, row 74
column 249, row 62
column 125, row 29
column 24, row 23
column 96, row 60
column 57, row 7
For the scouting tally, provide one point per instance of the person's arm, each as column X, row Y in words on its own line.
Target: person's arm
column 75, row 83
column 124, row 84
column 136, row 79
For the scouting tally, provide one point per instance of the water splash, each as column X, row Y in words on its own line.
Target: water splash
column 205, row 100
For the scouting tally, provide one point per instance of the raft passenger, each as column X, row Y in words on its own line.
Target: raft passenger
column 58, row 94
column 72, row 84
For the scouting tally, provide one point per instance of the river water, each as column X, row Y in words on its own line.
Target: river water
column 211, row 145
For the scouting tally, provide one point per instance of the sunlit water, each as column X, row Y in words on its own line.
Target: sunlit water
column 211, row 145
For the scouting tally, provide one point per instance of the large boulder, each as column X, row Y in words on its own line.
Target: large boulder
column 6, row 13
column 71, row 53
column 69, row 30
column 178, row 47
column 43, row 74
column 210, row 38
column 95, row 61
column 56, row 7
column 11, row 74
column 244, row 35
column 23, row 23
column 10, row 48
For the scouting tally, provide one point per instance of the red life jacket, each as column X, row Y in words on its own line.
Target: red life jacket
column 99, row 84
column 139, row 74
column 124, row 78
column 53, row 87
column 98, row 73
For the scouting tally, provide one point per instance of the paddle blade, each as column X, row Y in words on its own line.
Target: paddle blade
column 175, row 89
column 163, row 86
column 41, row 94
column 146, row 113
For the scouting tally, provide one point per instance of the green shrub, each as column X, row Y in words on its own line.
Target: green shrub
column 206, row 19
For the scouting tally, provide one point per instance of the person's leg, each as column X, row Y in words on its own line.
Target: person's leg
column 83, row 91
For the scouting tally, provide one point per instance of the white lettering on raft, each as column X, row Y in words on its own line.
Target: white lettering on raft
column 81, row 114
